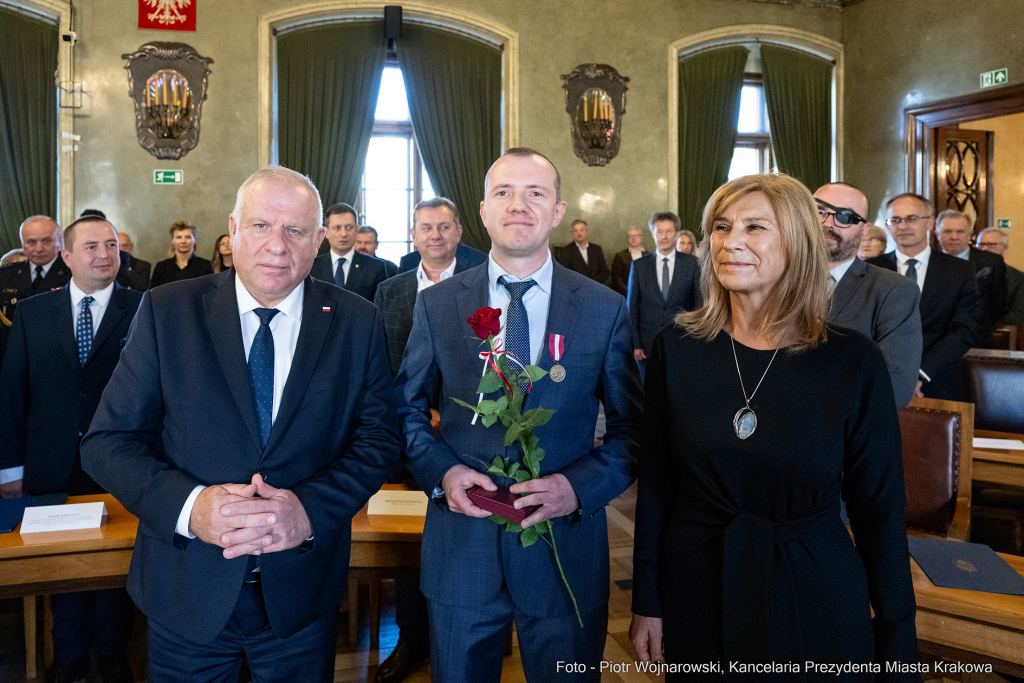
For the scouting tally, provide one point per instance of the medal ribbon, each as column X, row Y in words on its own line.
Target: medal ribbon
column 488, row 358
column 556, row 346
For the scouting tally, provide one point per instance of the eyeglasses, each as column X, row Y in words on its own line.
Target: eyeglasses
column 840, row 216
column 989, row 245
column 896, row 220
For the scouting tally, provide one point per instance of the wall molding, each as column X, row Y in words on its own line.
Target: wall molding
column 770, row 34
column 272, row 24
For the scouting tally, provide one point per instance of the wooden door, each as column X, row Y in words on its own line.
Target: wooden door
column 963, row 173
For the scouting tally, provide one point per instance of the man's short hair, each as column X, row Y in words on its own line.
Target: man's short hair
column 530, row 152
column 366, row 229
column 952, row 213
column 93, row 212
column 579, row 221
column 634, row 227
column 1004, row 238
column 21, row 228
column 929, row 209
column 437, row 203
column 665, row 216
column 69, row 232
column 853, row 187
column 339, row 209
column 277, row 175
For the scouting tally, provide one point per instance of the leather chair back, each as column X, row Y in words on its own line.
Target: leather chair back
column 995, row 385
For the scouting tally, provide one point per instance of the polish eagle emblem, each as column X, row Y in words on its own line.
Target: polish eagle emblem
column 166, row 11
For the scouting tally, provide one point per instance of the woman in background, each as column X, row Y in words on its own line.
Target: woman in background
column 873, row 243
column 684, row 242
column 184, row 264
column 221, row 254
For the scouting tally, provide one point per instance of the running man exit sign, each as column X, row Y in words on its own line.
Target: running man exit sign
column 168, row 177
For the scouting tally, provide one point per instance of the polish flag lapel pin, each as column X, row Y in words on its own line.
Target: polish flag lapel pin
column 327, row 309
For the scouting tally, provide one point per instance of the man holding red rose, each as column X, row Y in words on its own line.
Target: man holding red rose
column 476, row 577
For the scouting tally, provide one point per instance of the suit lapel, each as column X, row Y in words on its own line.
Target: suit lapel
column 563, row 319
column 934, row 279
column 316, row 322
column 225, row 327
column 116, row 310
column 847, row 286
column 472, row 298
column 355, row 271
column 655, row 263
column 63, row 323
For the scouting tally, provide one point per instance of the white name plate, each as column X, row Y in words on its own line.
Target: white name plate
column 998, row 444
column 63, row 517
column 398, row 503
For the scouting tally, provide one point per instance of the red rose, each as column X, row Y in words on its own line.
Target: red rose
column 485, row 322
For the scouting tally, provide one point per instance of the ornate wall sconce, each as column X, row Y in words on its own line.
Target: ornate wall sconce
column 167, row 82
column 595, row 99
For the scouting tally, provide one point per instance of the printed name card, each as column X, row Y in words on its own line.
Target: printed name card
column 63, row 517
column 998, row 444
column 398, row 503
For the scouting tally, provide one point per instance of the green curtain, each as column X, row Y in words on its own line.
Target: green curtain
column 709, row 108
column 454, row 87
column 28, row 123
column 798, row 92
column 327, row 83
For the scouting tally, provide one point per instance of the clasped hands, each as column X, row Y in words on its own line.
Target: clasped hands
column 553, row 493
column 249, row 519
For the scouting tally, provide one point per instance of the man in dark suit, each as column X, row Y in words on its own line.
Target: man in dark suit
column 953, row 230
column 997, row 242
column 366, row 243
column 477, row 578
column 465, row 253
column 138, row 270
column 343, row 265
column 623, row 260
column 582, row 256
column 63, row 347
column 436, row 232
column 661, row 285
column 245, row 476
column 950, row 311
column 876, row 302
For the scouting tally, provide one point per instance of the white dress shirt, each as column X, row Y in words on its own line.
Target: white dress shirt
column 659, row 267
column 422, row 281
column 636, row 254
column 347, row 265
column 285, row 328
column 965, row 254
column 583, row 252
column 46, row 269
column 839, row 271
column 921, row 267
column 535, row 300
column 97, row 308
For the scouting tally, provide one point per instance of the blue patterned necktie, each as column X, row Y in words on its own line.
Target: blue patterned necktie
column 912, row 269
column 517, row 325
column 261, row 370
column 339, row 274
column 83, row 330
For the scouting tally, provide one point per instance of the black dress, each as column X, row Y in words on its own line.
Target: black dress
column 739, row 545
column 168, row 271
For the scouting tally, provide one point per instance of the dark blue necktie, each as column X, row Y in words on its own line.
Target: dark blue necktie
column 666, row 281
column 339, row 274
column 912, row 269
column 261, row 370
column 83, row 330
column 517, row 325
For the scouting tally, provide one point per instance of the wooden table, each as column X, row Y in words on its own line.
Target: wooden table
column 999, row 466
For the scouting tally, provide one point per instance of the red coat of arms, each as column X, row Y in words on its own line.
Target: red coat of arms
column 168, row 15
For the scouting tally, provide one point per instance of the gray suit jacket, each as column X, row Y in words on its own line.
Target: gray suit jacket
column 883, row 305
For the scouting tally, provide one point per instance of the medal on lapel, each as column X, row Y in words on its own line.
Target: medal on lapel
column 556, row 345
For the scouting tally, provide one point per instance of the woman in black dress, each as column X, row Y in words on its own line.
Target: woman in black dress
column 757, row 419
column 222, row 259
column 184, row 265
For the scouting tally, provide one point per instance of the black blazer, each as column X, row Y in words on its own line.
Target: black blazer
column 595, row 267
column 1015, row 297
column 390, row 267
column 621, row 264
column 951, row 320
column 396, row 298
column 648, row 310
column 463, row 252
column 138, row 274
column 991, row 274
column 47, row 399
column 179, row 412
column 168, row 271
column 16, row 285
column 364, row 274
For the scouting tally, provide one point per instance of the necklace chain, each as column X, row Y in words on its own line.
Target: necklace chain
column 740, row 374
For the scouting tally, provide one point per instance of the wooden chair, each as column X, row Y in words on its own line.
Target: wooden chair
column 995, row 385
column 937, row 455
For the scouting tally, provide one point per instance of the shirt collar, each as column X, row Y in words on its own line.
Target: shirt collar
column 347, row 254
column 921, row 258
column 542, row 276
column 291, row 306
column 421, row 275
column 839, row 271
column 669, row 255
column 101, row 297
column 965, row 254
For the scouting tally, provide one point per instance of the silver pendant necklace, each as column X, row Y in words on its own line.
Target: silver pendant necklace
column 745, row 421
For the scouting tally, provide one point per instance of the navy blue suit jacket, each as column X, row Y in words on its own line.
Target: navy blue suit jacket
column 179, row 412
column 365, row 273
column 463, row 252
column 648, row 309
column 47, row 398
column 465, row 560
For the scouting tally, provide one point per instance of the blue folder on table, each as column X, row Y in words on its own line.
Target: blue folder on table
column 967, row 566
column 13, row 509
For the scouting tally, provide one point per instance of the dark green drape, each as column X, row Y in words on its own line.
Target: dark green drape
column 454, row 86
column 798, row 92
column 328, row 79
column 28, row 123
column 709, row 107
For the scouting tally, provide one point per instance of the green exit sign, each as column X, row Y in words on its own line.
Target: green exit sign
column 168, row 177
column 1004, row 223
column 991, row 78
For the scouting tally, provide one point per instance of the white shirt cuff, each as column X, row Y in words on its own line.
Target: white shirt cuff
column 186, row 513
column 12, row 474
column 924, row 376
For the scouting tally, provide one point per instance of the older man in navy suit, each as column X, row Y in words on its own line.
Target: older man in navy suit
column 250, row 418
column 476, row 577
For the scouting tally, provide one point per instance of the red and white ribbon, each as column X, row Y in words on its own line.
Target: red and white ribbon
column 556, row 345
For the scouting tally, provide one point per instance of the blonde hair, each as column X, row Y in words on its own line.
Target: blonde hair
column 797, row 304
